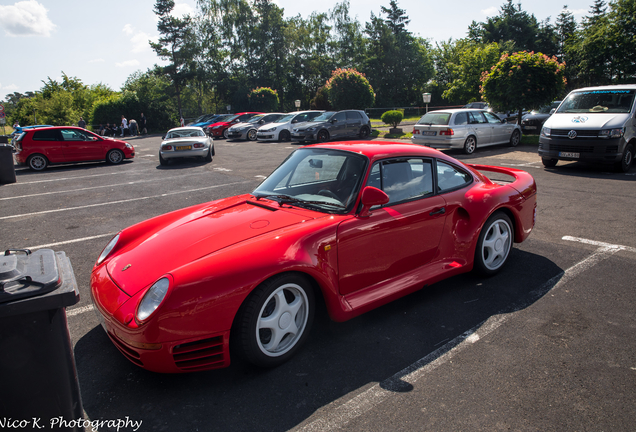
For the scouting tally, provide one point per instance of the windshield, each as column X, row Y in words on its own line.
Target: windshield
column 255, row 119
column 435, row 118
column 285, row 119
column 321, row 179
column 598, row 101
column 185, row 133
column 324, row 116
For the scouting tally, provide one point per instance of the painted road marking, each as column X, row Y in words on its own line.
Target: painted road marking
column 68, row 178
column 79, row 310
column 120, row 201
column 334, row 417
column 71, row 241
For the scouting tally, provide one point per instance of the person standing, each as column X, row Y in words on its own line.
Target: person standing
column 124, row 125
column 142, row 125
column 81, row 123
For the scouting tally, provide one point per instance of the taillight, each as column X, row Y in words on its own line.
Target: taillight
column 416, row 131
column 447, row 131
column 198, row 145
column 166, row 147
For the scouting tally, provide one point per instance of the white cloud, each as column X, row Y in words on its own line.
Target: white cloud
column 139, row 40
column 490, row 11
column 26, row 18
column 10, row 88
column 128, row 63
column 97, row 60
column 181, row 9
column 128, row 29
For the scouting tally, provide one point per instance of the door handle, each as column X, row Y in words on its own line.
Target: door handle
column 436, row 212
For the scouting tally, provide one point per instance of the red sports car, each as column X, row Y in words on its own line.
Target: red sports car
column 354, row 224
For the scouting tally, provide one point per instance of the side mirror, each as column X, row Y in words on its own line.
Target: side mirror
column 552, row 111
column 371, row 197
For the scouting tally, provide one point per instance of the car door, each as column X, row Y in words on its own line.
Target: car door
column 338, row 125
column 398, row 237
column 354, row 123
column 500, row 131
column 480, row 126
column 48, row 142
column 81, row 146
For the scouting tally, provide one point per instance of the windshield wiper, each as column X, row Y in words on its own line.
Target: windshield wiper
column 286, row 199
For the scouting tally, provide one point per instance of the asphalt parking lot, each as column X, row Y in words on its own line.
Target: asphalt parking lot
column 546, row 345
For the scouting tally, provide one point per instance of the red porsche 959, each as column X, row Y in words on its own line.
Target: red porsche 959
column 354, row 225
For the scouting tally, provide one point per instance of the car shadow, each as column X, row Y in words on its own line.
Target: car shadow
column 339, row 358
column 182, row 163
column 69, row 168
column 590, row 170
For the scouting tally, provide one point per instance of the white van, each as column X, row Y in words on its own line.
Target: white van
column 592, row 124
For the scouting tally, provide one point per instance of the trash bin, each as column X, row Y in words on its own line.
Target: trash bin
column 37, row 365
column 7, row 168
column 4, row 139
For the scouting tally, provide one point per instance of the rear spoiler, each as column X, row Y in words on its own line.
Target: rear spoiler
column 524, row 183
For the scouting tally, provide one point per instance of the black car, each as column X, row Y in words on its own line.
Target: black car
column 532, row 122
column 331, row 125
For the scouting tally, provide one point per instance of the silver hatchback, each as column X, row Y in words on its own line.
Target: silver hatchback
column 464, row 129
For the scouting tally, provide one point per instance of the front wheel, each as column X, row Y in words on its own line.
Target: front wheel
column 627, row 159
column 251, row 135
column 226, row 133
column 115, row 156
column 284, row 136
column 549, row 163
column 470, row 144
column 494, row 244
column 275, row 319
column 515, row 138
column 323, row 136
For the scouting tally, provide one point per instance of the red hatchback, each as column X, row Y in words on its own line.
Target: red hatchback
column 219, row 129
column 38, row 148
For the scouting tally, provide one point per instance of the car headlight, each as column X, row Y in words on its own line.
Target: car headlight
column 128, row 146
column 546, row 131
column 216, row 127
column 272, row 129
column 108, row 249
column 311, row 129
column 611, row 133
column 152, row 299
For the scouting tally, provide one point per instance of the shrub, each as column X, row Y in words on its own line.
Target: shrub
column 321, row 100
column 349, row 89
column 264, row 99
column 392, row 117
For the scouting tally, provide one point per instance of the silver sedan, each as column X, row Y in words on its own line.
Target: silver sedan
column 186, row 142
column 464, row 129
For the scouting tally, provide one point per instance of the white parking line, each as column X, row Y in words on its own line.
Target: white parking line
column 334, row 417
column 79, row 310
column 68, row 178
column 50, row 245
column 598, row 243
column 120, row 201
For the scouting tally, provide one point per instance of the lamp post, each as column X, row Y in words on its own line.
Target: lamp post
column 297, row 103
column 427, row 99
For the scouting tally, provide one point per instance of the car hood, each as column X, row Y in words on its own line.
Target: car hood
column 305, row 125
column 242, row 125
column 587, row 120
column 190, row 236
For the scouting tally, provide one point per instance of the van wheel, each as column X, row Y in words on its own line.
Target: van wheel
column 627, row 159
column 38, row 162
column 549, row 163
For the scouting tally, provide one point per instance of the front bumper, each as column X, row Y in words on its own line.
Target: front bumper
column 233, row 135
column 303, row 136
column 147, row 345
column 266, row 136
column 588, row 150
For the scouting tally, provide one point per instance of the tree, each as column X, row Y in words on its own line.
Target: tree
column 264, row 99
column 523, row 80
column 349, row 89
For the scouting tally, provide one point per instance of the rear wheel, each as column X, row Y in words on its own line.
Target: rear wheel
column 208, row 158
column 549, row 163
column 115, row 156
column 364, row 132
column 515, row 138
column 275, row 319
column 494, row 244
column 470, row 144
column 38, row 162
column 162, row 161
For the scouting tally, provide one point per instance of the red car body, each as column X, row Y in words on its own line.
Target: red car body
column 64, row 144
column 216, row 255
column 219, row 129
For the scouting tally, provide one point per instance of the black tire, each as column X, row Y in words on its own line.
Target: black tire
column 470, row 145
column 364, row 132
column 626, row 160
column 322, row 136
column 549, row 163
column 208, row 158
column 494, row 244
column 515, row 138
column 286, row 300
column 37, row 162
column 284, row 136
column 251, row 134
column 115, row 157
column 225, row 133
column 162, row 161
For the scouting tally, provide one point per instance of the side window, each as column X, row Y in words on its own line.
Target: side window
column 449, row 177
column 403, row 179
column 73, row 135
column 45, row 135
column 492, row 118
column 353, row 115
column 476, row 117
column 340, row 117
column 461, row 118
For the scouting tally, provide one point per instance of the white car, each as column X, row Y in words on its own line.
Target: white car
column 464, row 129
column 189, row 141
column 247, row 130
column 280, row 130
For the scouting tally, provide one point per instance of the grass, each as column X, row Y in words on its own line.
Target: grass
column 530, row 140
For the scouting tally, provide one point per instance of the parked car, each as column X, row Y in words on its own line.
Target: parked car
column 219, row 129
column 464, row 129
column 592, row 124
column 508, row 116
column 43, row 146
column 186, row 142
column 280, row 130
column 204, row 120
column 356, row 225
column 331, row 125
column 532, row 122
column 247, row 130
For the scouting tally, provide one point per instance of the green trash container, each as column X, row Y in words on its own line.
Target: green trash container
column 7, row 168
column 37, row 364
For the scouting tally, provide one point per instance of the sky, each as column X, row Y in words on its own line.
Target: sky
column 105, row 42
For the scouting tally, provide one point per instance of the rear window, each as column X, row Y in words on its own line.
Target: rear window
column 353, row 115
column 598, row 101
column 45, row 135
column 435, row 118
